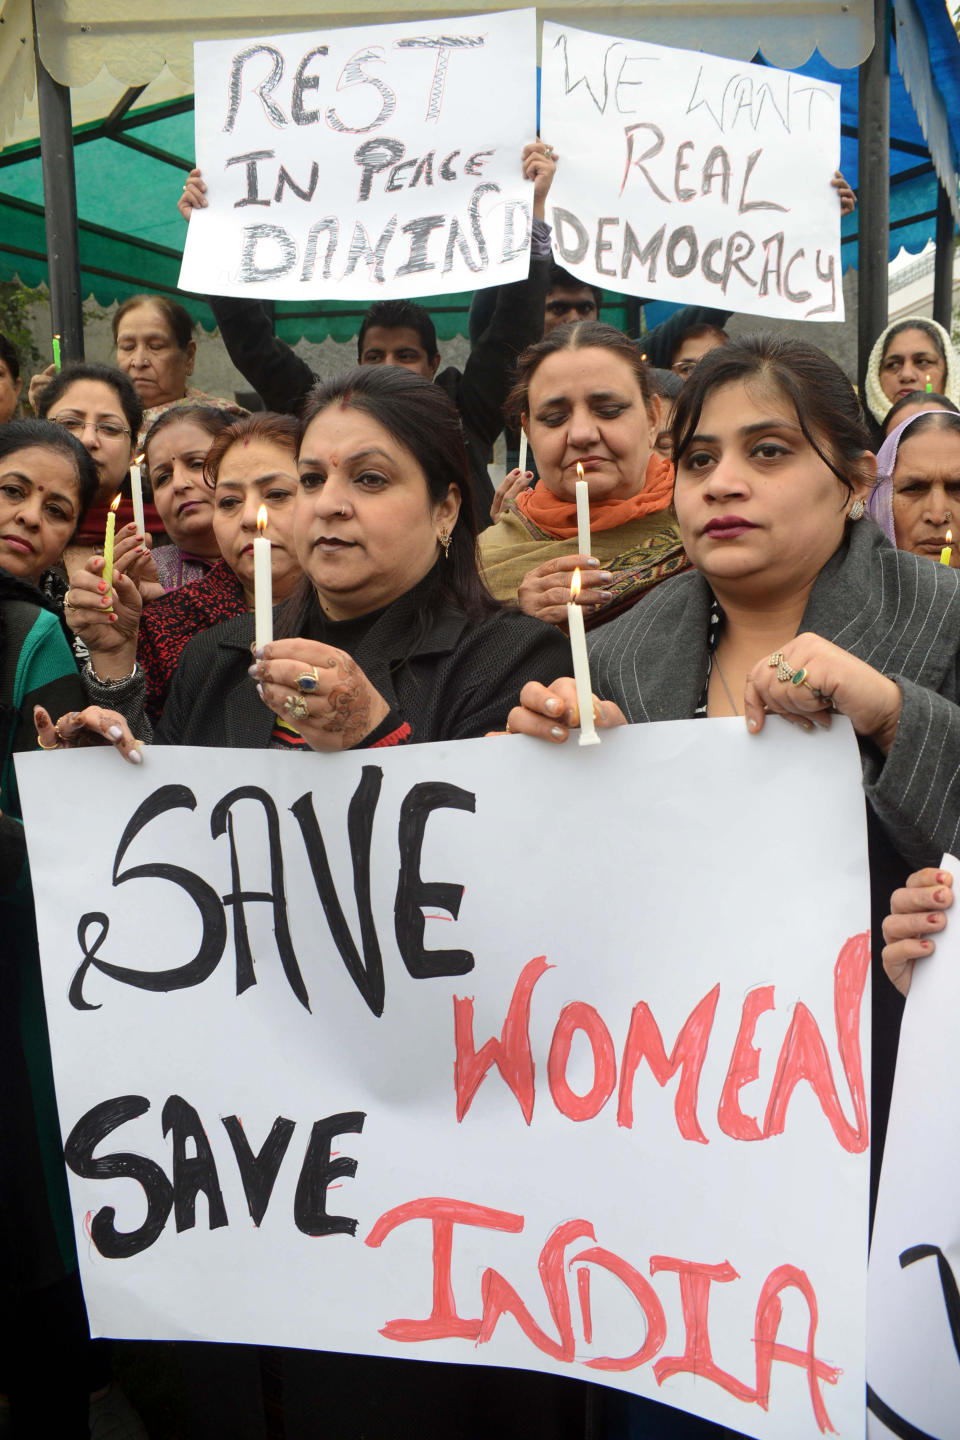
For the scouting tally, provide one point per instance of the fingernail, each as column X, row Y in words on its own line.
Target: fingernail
column 253, row 669
column 557, row 733
column 258, row 651
column 135, row 757
column 606, row 595
column 102, row 586
column 943, row 877
column 605, row 576
column 593, row 562
column 806, row 725
column 927, row 944
column 753, row 724
column 940, row 896
column 528, row 474
column 553, row 707
column 112, row 618
column 115, row 732
column 259, row 689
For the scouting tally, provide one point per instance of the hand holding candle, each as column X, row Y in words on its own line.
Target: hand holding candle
column 262, row 583
column 108, row 541
column 583, row 515
column 136, row 494
column 947, row 550
column 581, row 665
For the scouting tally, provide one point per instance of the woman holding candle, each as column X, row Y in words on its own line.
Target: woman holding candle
column 912, row 354
column 584, row 400
column 916, row 500
column 248, row 465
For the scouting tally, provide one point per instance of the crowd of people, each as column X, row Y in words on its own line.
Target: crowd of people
column 759, row 545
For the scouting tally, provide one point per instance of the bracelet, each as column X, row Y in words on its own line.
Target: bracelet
column 108, row 684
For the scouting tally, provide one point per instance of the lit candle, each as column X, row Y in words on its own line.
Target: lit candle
column 108, row 541
column 583, row 513
column 522, row 462
column 929, row 386
column 136, row 494
column 581, row 665
column 262, row 583
column 947, row 550
column 56, row 353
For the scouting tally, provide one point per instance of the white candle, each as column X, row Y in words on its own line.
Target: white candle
column 581, row 665
column 583, row 514
column 522, row 463
column 136, row 494
column 262, row 583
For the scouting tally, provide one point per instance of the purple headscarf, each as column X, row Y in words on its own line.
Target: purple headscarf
column 880, row 503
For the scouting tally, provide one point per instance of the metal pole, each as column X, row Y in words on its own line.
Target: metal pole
column 60, row 205
column 943, row 262
column 874, row 188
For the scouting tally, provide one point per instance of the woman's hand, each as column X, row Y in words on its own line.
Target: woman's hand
column 321, row 692
column 545, row 592
column 915, row 912
column 194, row 196
column 39, row 383
column 550, row 714
column 131, row 555
column 848, row 200
column 92, row 726
column 512, row 484
column 107, row 618
column 810, row 677
column 540, row 166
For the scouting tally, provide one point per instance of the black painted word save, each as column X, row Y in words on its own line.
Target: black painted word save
column 364, row 963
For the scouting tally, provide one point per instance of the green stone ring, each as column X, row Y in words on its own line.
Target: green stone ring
column 799, row 677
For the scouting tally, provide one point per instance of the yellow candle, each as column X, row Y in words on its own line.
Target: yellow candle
column 108, row 541
column 947, row 550
column 581, row 665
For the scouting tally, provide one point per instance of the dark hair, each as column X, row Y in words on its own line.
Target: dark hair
column 891, row 422
column 104, row 375
column 45, row 435
column 180, row 321
column 262, row 425
column 422, row 418
column 665, row 383
column 914, row 322
column 400, row 315
column 698, row 332
column 561, row 279
column 9, row 357
column 937, row 420
column 584, row 335
column 828, row 410
column 208, row 417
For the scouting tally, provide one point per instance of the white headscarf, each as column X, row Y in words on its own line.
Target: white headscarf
column 879, row 402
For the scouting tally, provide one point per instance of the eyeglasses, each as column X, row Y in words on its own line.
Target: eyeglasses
column 109, row 429
column 683, row 368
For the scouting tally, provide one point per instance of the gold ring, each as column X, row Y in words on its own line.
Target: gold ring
column 309, row 681
column 56, row 731
column 296, row 707
column 68, row 603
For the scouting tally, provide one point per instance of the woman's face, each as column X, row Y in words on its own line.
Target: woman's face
column 183, row 498
column 926, row 491
column 587, row 406
column 9, row 392
column 254, row 473
column 39, row 507
column 366, row 528
column 910, row 359
column 757, row 506
column 91, row 410
column 148, row 352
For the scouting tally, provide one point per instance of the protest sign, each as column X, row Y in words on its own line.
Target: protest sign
column 492, row 1052
column 913, row 1354
column 689, row 177
column 364, row 164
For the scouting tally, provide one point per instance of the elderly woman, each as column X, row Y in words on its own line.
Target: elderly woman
column 916, row 499
column 584, row 399
column 913, row 354
column 244, row 466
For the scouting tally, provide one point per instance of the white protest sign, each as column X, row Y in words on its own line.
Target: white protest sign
column 364, row 164
column 688, row 177
column 580, row 1085
column 913, row 1356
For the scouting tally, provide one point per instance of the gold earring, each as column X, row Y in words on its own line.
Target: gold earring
column 857, row 509
column 445, row 537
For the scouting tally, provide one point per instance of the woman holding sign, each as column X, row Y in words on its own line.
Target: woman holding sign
column 584, row 399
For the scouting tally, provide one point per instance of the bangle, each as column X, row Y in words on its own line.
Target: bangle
column 91, row 674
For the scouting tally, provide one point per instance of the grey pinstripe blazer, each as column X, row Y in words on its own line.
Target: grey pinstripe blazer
column 898, row 612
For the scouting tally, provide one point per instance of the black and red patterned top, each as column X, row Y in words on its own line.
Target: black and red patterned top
column 169, row 622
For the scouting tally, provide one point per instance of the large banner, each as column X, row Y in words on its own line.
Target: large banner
column 913, row 1359
column 689, row 177
column 493, row 1052
column 364, row 164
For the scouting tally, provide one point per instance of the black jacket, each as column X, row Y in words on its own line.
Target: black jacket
column 461, row 679
column 282, row 379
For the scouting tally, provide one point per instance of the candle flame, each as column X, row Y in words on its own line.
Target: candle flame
column 575, row 586
column 262, row 518
column 116, row 502
column 579, row 471
column 140, row 458
column 949, row 537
